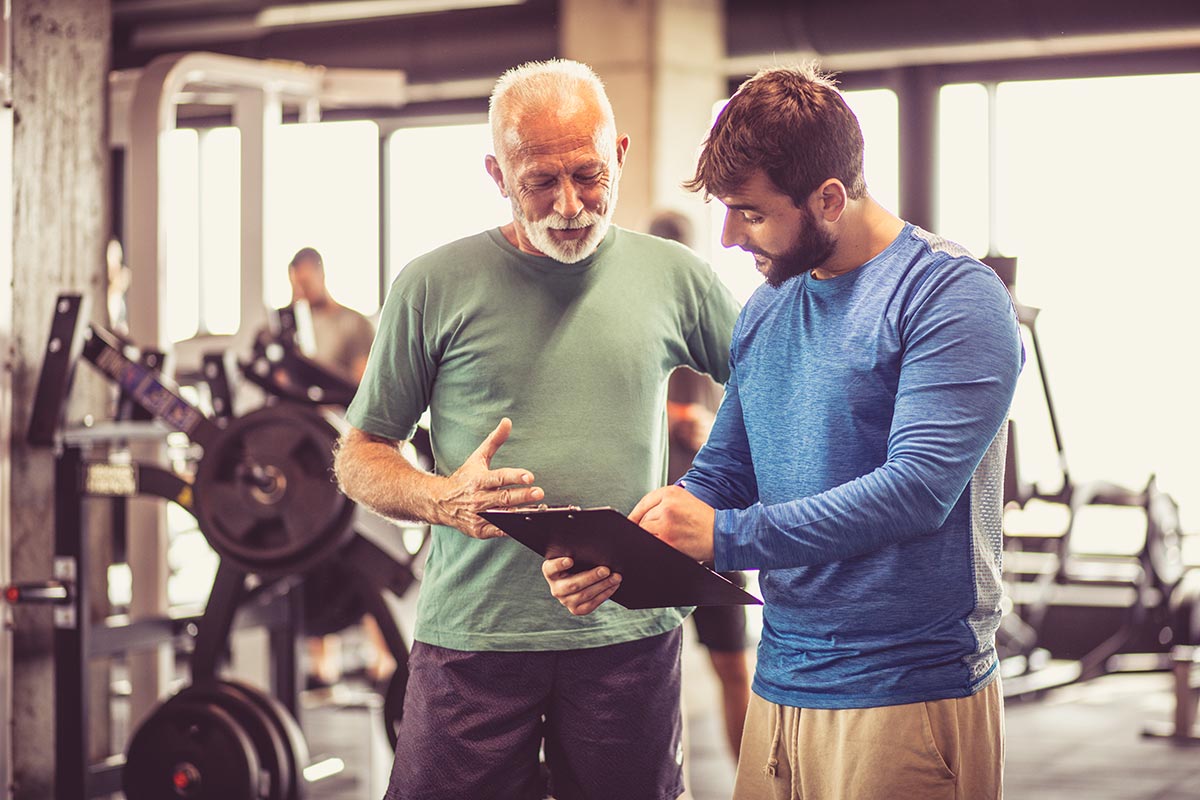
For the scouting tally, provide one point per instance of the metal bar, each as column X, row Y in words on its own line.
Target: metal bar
column 284, row 640
column 104, row 778
column 115, row 636
column 229, row 586
column 1058, row 442
column 216, row 375
column 127, row 407
column 378, row 566
column 67, row 329
column 378, row 608
column 70, row 633
column 148, row 389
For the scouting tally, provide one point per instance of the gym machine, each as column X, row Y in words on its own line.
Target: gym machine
column 1082, row 608
column 279, row 367
column 263, row 496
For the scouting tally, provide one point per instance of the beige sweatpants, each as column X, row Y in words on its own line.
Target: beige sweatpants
column 940, row 750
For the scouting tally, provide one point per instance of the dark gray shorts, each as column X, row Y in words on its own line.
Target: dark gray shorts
column 723, row 628
column 474, row 724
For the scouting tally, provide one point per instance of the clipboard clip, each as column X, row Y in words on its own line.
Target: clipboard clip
column 537, row 508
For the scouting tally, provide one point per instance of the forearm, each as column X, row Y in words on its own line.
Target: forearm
column 886, row 506
column 373, row 472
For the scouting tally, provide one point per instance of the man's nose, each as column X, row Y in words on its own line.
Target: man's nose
column 731, row 233
column 568, row 203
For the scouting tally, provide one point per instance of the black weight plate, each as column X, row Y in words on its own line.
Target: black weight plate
column 271, row 746
column 192, row 750
column 393, row 700
column 265, row 497
column 332, row 602
column 289, row 729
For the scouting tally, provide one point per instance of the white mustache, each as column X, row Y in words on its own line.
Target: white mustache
column 584, row 219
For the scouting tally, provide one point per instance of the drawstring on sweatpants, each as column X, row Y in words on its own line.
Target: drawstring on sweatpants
column 776, row 734
column 794, row 755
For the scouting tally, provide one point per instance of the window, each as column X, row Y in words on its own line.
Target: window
column 220, row 230
column 180, row 186
column 438, row 189
column 323, row 192
column 201, row 202
column 963, row 181
column 1096, row 194
column 877, row 114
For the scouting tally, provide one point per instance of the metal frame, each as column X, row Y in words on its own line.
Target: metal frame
column 6, row 335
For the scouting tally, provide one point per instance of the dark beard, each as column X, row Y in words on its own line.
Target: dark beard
column 812, row 249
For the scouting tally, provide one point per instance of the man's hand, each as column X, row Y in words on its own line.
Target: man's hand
column 679, row 519
column 583, row 592
column 475, row 486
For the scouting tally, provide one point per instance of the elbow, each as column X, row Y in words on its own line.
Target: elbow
column 343, row 466
column 931, row 516
column 928, row 510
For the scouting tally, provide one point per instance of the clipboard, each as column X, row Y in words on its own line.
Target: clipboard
column 653, row 574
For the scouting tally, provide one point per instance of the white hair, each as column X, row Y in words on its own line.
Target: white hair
column 559, row 84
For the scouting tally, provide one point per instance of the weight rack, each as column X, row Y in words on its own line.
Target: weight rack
column 274, row 603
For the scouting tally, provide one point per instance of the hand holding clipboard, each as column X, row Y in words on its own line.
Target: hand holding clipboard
column 654, row 574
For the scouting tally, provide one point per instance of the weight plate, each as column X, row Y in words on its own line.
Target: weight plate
column 271, row 745
column 393, row 700
column 288, row 728
column 332, row 601
column 265, row 496
column 195, row 751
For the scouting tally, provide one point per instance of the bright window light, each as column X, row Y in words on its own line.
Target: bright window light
column 878, row 115
column 220, row 230
column 438, row 189
column 180, row 181
column 1098, row 198
column 323, row 192
column 963, row 183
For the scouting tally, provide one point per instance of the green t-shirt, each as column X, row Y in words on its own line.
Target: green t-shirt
column 578, row 356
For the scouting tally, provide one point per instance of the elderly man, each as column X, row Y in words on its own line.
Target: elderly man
column 856, row 461
column 551, row 340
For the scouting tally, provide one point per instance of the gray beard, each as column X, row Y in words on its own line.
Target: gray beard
column 569, row 252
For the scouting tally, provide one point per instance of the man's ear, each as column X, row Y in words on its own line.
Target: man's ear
column 622, row 148
column 829, row 200
column 493, row 167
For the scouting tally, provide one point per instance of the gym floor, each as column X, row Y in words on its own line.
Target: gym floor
column 1081, row 741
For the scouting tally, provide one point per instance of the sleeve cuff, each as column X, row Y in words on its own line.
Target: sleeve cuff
column 725, row 543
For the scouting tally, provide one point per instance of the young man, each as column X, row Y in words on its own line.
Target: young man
column 564, row 329
column 856, row 460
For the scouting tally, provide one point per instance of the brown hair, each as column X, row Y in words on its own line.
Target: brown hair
column 790, row 122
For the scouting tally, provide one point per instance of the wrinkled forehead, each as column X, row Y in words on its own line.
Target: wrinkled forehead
column 577, row 126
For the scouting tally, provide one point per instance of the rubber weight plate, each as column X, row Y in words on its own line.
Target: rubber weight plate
column 287, row 727
column 271, row 746
column 192, row 750
column 265, row 495
column 332, row 602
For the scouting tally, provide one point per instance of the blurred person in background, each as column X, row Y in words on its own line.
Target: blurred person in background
column 692, row 401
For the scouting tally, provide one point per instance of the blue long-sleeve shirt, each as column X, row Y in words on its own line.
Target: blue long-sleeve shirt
column 857, row 460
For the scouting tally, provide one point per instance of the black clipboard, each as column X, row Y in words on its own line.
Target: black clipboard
column 653, row 574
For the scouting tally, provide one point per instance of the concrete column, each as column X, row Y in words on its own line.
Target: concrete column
column 661, row 62
column 60, row 221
